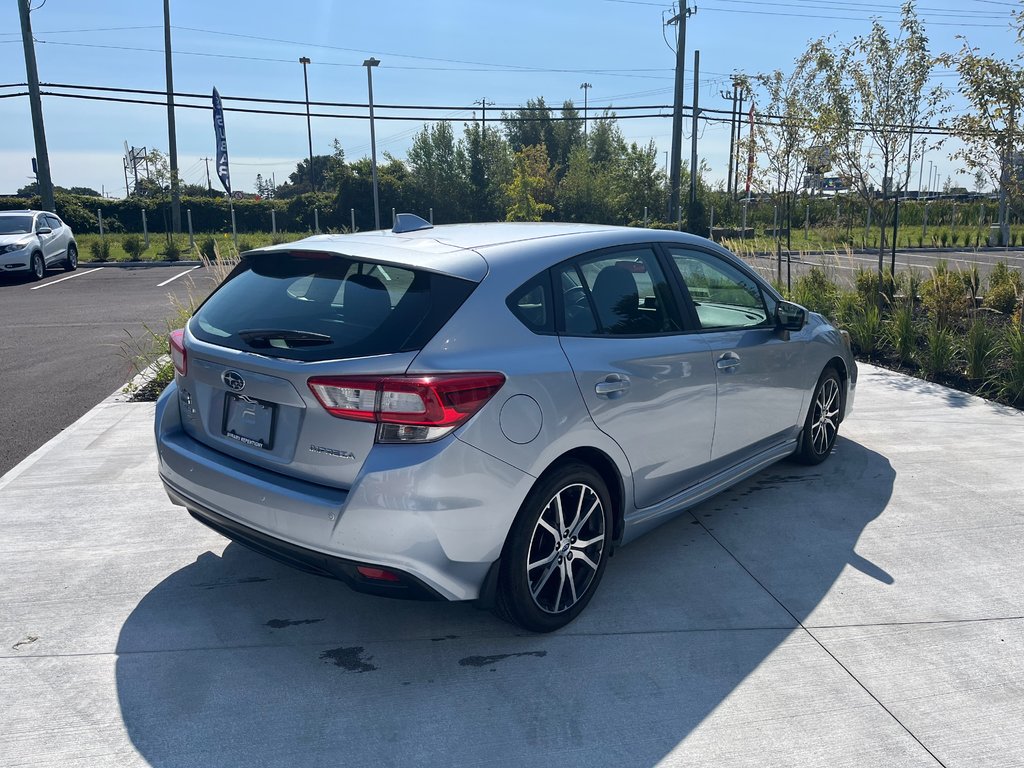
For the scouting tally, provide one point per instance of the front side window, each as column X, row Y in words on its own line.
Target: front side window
column 617, row 293
column 723, row 296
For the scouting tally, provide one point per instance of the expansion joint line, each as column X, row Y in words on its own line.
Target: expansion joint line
column 817, row 641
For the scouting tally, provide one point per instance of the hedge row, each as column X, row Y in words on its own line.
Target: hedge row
column 208, row 214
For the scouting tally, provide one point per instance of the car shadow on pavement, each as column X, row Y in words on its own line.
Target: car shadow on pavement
column 236, row 660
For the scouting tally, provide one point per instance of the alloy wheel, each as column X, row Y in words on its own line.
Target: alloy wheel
column 825, row 421
column 566, row 548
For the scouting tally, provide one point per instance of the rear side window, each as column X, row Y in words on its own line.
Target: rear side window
column 531, row 303
column 313, row 307
column 617, row 293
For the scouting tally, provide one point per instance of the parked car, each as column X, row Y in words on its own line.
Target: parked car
column 483, row 411
column 33, row 241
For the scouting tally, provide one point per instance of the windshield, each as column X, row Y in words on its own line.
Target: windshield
column 15, row 225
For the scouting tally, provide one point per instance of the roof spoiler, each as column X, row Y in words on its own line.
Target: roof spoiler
column 409, row 222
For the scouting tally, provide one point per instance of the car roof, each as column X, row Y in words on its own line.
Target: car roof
column 472, row 250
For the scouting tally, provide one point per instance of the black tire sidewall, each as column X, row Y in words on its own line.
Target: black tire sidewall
column 36, row 262
column 514, row 600
column 807, row 453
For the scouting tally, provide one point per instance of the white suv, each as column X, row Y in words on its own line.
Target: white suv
column 32, row 241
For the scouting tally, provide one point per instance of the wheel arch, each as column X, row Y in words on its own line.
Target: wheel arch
column 841, row 368
column 605, row 466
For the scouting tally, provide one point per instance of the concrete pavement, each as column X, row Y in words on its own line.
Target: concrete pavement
column 866, row 612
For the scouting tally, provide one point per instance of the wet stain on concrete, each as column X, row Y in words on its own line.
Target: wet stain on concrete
column 349, row 659
column 442, row 639
column 230, row 582
column 484, row 661
column 282, row 623
column 27, row 641
column 776, row 481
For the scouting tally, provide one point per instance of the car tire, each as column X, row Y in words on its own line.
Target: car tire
column 548, row 576
column 71, row 261
column 37, row 267
column 822, row 423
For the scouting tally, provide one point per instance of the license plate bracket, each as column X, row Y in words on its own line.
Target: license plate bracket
column 249, row 421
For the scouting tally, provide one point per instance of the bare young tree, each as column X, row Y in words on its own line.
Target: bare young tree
column 875, row 93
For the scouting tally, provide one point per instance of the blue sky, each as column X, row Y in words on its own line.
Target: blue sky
column 446, row 52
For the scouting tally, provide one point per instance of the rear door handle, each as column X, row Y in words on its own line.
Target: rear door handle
column 728, row 361
column 613, row 383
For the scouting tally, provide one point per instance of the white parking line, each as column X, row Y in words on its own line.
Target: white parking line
column 180, row 274
column 54, row 282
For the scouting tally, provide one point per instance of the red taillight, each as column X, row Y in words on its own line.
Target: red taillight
column 178, row 355
column 437, row 403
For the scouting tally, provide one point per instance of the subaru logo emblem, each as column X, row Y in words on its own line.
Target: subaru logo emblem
column 233, row 380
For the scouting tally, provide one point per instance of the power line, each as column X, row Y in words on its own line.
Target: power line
column 846, row 18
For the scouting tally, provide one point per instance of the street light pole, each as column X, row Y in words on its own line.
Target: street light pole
column 586, row 88
column 304, row 61
column 370, row 63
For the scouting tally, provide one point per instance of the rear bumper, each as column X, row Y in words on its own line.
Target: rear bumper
column 308, row 560
column 437, row 514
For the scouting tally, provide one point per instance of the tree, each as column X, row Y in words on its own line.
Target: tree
column 529, row 126
column 642, row 184
column 990, row 128
column 489, row 173
column 439, row 172
column 532, row 187
column 588, row 191
column 785, row 141
column 874, row 93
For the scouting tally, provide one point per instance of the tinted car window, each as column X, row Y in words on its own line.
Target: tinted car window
column 531, row 303
column 618, row 293
column 53, row 222
column 723, row 296
column 318, row 307
column 15, row 225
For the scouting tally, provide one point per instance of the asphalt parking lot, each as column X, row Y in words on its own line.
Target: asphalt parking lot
column 61, row 342
column 866, row 612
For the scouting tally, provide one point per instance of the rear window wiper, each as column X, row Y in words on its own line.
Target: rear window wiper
column 261, row 338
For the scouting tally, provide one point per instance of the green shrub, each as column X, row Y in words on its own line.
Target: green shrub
column 99, row 249
column 978, row 348
column 817, row 292
column 208, row 247
column 173, row 251
column 244, row 244
column 900, row 332
column 865, row 326
column 1002, row 298
column 1002, row 274
column 1011, row 382
column 944, row 237
column 133, row 246
column 944, row 297
column 939, row 351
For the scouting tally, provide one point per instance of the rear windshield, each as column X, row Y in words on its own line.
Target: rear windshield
column 323, row 307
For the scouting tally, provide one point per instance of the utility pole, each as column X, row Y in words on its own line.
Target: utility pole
column 45, row 182
column 691, row 214
column 484, row 103
column 209, row 186
column 172, row 138
column 586, row 88
column 732, row 135
column 304, row 61
column 677, row 110
column 370, row 63
column 739, row 143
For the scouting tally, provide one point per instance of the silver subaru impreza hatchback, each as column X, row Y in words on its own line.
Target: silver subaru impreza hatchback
column 484, row 411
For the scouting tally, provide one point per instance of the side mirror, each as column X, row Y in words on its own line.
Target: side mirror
column 44, row 231
column 790, row 316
